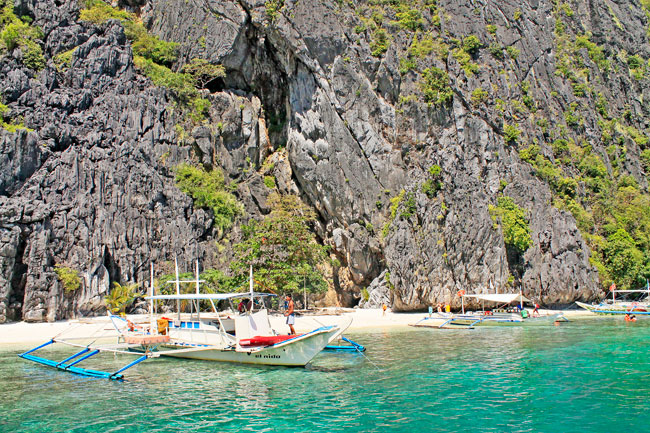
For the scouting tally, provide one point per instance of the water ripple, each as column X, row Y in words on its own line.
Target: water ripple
column 586, row 376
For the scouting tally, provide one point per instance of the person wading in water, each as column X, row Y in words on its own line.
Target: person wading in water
column 291, row 316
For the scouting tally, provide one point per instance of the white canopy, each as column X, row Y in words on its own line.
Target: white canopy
column 501, row 298
column 208, row 296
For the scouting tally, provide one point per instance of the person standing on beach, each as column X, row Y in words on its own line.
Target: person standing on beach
column 290, row 314
column 383, row 307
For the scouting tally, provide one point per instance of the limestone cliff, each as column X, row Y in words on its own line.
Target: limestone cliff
column 353, row 103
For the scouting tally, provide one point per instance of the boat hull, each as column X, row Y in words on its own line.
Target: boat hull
column 296, row 352
column 640, row 309
column 451, row 321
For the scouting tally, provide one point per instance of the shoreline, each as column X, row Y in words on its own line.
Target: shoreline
column 360, row 319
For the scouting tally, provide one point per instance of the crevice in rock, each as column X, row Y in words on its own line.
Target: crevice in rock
column 16, row 295
column 114, row 270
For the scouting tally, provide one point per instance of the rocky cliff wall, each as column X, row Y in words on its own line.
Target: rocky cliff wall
column 346, row 124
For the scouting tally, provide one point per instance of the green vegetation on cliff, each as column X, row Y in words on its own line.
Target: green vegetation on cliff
column 281, row 248
column 514, row 223
column 68, row 277
column 208, row 189
column 155, row 57
column 19, row 33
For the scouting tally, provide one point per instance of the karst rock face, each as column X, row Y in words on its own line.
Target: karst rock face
column 90, row 183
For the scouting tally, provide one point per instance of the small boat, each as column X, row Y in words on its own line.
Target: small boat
column 621, row 306
column 494, row 317
column 195, row 337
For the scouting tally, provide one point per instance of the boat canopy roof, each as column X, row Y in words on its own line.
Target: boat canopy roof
column 504, row 298
column 209, row 296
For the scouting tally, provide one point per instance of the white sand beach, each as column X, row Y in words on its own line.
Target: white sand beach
column 361, row 319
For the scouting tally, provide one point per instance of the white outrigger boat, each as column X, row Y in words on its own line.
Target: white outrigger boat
column 495, row 317
column 620, row 306
column 196, row 337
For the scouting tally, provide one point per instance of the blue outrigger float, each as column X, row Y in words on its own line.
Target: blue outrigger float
column 69, row 364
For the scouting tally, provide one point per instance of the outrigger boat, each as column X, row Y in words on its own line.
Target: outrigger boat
column 620, row 306
column 495, row 317
column 196, row 337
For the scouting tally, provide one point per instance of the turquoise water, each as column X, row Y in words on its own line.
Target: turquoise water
column 591, row 375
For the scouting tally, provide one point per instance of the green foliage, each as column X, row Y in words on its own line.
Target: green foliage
column 511, row 133
column 143, row 43
column 593, row 166
column 63, row 60
column 635, row 61
column 269, row 181
column 68, row 277
column 149, row 46
column 120, row 297
column 365, row 295
column 491, row 29
column 272, row 8
column 471, row 44
column 98, row 12
column 208, row 190
column 514, row 223
column 204, row 72
column 645, row 159
column 409, row 18
column 8, row 124
column 380, row 42
column 566, row 8
column 572, row 116
column 420, row 48
column 512, row 52
column 394, row 207
column 406, row 64
column 409, row 208
column 435, row 86
column 496, row 50
column 16, row 32
column 529, row 154
column 479, row 96
column 181, row 84
column 517, row 14
column 199, row 109
column 465, row 60
column 601, row 106
column 596, row 53
column 281, row 248
column 433, row 184
column 526, row 98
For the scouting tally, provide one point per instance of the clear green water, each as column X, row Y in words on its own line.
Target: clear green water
column 590, row 375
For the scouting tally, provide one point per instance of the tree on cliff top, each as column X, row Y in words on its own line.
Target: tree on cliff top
column 281, row 248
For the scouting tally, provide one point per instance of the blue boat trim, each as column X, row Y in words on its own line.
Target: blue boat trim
column 73, row 356
column 36, row 348
column 355, row 347
column 93, row 353
column 87, row 352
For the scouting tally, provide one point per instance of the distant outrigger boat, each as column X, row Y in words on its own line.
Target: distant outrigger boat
column 254, row 342
column 495, row 317
column 618, row 306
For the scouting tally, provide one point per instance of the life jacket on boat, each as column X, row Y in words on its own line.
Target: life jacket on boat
column 630, row 319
